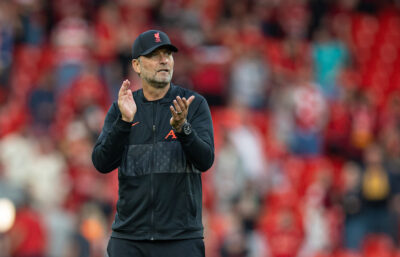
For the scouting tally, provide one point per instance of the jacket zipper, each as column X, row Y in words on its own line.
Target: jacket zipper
column 152, row 174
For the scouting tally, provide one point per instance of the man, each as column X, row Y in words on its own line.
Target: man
column 160, row 146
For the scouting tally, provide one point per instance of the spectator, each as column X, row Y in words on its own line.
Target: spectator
column 229, row 175
column 71, row 39
column 309, row 117
column 32, row 21
column 329, row 57
column 249, row 80
column 42, row 104
column 234, row 244
column 363, row 121
column 352, row 204
column 317, row 230
column 376, row 192
column 28, row 236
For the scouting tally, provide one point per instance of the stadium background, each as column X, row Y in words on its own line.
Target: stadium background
column 305, row 103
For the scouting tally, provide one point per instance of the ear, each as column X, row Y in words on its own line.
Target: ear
column 136, row 65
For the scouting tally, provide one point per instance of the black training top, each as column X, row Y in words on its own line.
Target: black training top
column 160, row 195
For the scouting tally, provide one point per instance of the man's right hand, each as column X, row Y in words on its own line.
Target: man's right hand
column 126, row 104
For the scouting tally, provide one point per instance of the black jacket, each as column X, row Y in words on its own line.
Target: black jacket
column 159, row 174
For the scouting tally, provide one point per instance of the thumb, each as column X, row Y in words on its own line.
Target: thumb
column 190, row 100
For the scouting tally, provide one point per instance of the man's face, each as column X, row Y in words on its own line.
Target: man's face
column 156, row 68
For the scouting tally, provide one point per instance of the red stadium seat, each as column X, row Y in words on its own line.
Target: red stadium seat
column 378, row 246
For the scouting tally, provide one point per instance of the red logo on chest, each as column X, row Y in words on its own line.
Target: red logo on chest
column 172, row 134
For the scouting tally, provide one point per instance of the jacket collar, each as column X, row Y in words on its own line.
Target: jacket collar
column 168, row 98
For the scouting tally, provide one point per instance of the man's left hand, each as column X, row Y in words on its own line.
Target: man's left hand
column 179, row 112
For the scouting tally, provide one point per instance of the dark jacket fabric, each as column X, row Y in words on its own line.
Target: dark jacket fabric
column 159, row 170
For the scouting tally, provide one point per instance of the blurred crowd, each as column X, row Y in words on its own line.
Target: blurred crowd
column 305, row 99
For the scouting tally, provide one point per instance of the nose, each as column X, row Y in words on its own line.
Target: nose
column 164, row 58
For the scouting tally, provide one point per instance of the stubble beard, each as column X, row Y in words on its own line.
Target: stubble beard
column 159, row 83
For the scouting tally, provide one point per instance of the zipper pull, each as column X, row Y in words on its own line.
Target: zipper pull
column 154, row 128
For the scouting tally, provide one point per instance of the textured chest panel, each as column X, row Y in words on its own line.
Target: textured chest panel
column 161, row 157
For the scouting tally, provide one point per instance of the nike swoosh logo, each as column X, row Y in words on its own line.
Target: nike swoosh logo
column 134, row 124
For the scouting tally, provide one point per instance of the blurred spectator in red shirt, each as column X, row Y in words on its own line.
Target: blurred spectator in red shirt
column 27, row 236
column 71, row 39
column 309, row 117
column 107, row 46
column 363, row 123
column 337, row 132
column 86, row 95
column 283, row 230
column 209, row 75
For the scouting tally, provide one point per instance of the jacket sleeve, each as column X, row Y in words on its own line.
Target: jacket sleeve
column 108, row 150
column 199, row 145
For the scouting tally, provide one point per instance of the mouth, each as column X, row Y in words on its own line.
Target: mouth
column 163, row 70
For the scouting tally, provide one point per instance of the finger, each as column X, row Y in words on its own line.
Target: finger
column 185, row 102
column 129, row 92
column 177, row 107
column 124, row 87
column 125, row 84
column 181, row 103
column 173, row 112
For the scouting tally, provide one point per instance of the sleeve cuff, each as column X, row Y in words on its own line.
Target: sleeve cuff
column 122, row 125
column 186, row 139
